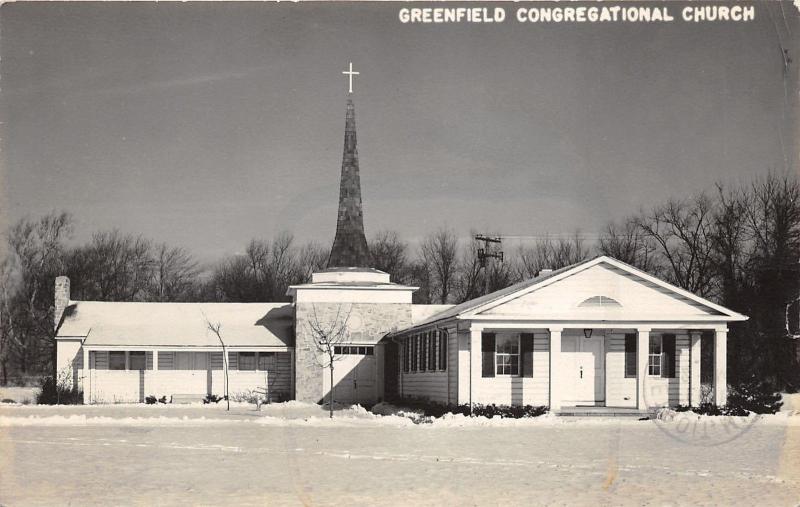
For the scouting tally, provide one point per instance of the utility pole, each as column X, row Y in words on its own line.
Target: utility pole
column 484, row 255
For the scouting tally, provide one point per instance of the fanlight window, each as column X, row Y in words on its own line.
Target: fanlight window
column 603, row 301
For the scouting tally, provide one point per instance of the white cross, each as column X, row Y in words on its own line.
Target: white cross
column 350, row 74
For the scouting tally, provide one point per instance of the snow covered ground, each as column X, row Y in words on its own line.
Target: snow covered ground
column 292, row 454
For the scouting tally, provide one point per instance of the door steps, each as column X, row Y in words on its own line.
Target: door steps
column 603, row 412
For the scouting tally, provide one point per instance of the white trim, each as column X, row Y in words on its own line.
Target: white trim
column 731, row 315
column 648, row 325
column 187, row 348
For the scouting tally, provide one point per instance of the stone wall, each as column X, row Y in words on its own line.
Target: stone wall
column 367, row 323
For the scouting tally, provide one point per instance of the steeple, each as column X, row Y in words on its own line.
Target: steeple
column 350, row 245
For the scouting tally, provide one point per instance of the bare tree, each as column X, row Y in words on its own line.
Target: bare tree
column 440, row 255
column 216, row 328
column 311, row 258
column 389, row 254
column 548, row 253
column 112, row 267
column 326, row 335
column 35, row 257
column 174, row 274
column 682, row 230
column 627, row 242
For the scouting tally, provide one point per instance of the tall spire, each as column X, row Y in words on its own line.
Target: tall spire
column 350, row 245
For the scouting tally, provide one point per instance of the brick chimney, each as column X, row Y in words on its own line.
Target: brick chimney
column 61, row 299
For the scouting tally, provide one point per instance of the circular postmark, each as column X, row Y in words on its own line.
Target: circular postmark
column 689, row 427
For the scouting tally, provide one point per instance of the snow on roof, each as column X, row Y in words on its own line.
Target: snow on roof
column 497, row 296
column 178, row 324
column 466, row 306
column 420, row 313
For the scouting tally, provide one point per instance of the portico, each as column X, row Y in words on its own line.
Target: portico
column 596, row 334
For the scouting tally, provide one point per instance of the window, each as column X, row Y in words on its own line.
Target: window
column 630, row 355
column 247, row 361
column 432, row 350
column 442, row 350
column 507, row 357
column 423, row 352
column 266, row 361
column 137, row 361
column 406, row 354
column 603, row 301
column 654, row 357
column 354, row 350
column 116, row 360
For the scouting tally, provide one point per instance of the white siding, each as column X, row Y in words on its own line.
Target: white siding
column 110, row 386
column 504, row 390
column 436, row 386
column 620, row 391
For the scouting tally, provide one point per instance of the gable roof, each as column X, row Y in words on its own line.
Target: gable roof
column 178, row 324
column 488, row 301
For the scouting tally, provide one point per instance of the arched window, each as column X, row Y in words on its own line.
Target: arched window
column 603, row 301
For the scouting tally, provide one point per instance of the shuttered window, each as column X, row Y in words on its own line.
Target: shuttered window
column 432, row 351
column 487, row 353
column 669, row 353
column 507, row 354
column 423, row 352
column 526, row 346
column 630, row 355
column 442, row 350
column 405, row 355
column 654, row 356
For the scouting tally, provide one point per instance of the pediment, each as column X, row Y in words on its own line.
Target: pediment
column 603, row 291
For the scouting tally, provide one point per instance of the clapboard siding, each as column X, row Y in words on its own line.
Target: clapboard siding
column 435, row 386
column 504, row 390
column 110, row 386
column 621, row 391
column 166, row 360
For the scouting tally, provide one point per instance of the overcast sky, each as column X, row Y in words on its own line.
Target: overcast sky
column 205, row 125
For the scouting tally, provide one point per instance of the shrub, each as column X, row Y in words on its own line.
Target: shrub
column 163, row 399
column 506, row 411
column 751, row 396
column 212, row 398
column 52, row 392
column 754, row 395
column 151, row 400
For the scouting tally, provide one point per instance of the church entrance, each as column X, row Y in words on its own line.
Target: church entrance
column 354, row 375
column 583, row 369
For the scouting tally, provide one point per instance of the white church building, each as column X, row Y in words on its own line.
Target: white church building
column 597, row 333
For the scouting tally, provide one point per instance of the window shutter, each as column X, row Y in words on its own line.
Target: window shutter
column 487, row 349
column 668, row 350
column 630, row 355
column 423, row 352
column 526, row 351
column 443, row 350
column 432, row 350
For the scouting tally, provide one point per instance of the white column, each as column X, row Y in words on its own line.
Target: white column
column 291, row 387
column 721, row 367
column 555, row 369
column 87, row 379
column 694, row 368
column 642, row 350
column 475, row 364
column 155, row 360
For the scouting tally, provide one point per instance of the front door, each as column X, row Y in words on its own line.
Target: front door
column 583, row 369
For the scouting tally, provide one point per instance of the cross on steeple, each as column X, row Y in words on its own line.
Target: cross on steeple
column 350, row 75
